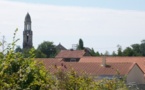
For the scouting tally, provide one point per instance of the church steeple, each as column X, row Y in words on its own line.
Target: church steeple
column 27, row 33
column 27, row 22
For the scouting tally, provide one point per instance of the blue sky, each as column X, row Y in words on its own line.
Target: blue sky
column 112, row 4
column 102, row 24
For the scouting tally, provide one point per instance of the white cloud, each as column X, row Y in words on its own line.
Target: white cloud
column 100, row 28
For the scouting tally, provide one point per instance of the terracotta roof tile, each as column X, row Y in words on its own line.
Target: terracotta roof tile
column 49, row 61
column 139, row 60
column 71, row 54
column 91, row 68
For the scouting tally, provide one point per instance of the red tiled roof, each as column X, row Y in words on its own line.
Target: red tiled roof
column 71, row 54
column 91, row 68
column 139, row 60
column 49, row 61
column 52, row 60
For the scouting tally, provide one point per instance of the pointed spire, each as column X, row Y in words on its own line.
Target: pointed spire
column 27, row 18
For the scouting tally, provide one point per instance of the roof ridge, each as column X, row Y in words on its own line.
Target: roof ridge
column 130, row 68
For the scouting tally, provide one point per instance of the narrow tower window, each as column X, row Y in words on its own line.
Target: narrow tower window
column 28, row 27
column 27, row 37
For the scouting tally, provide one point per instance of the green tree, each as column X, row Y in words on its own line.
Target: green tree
column 39, row 54
column 19, row 73
column 142, row 47
column 97, row 54
column 81, row 45
column 18, row 49
column 136, row 49
column 47, row 48
column 119, row 51
column 128, row 52
column 93, row 53
column 114, row 54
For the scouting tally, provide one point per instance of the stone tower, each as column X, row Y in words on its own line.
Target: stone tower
column 27, row 33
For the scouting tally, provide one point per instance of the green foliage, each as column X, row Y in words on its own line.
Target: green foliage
column 18, row 49
column 93, row 53
column 114, row 54
column 142, row 47
column 134, row 50
column 119, row 50
column 81, row 45
column 128, row 52
column 48, row 49
column 114, row 84
column 26, row 53
column 39, row 54
column 1, row 55
column 18, row 73
column 71, row 80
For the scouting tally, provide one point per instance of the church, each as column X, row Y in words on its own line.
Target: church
column 27, row 33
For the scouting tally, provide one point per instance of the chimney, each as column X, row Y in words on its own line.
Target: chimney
column 71, row 50
column 103, row 61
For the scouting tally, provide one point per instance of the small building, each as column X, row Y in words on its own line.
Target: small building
column 60, row 47
column 72, row 55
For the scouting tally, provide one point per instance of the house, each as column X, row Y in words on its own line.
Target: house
column 100, row 70
column 60, row 47
column 139, row 60
column 72, row 55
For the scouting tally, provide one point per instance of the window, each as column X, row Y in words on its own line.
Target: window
column 72, row 60
column 27, row 37
column 28, row 27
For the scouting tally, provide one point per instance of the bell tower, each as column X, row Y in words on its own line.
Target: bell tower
column 27, row 33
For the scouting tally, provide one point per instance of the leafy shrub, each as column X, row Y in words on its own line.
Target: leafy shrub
column 114, row 84
column 71, row 80
column 17, row 72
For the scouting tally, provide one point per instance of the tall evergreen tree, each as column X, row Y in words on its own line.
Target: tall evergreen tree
column 81, row 45
column 119, row 50
column 114, row 54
